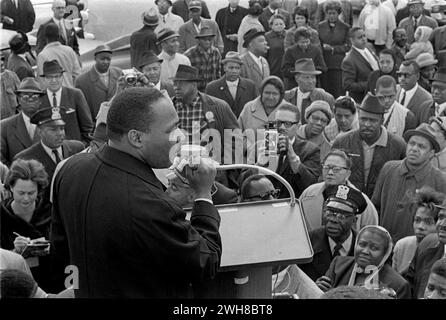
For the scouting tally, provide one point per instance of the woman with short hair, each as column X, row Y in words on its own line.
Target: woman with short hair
column 300, row 19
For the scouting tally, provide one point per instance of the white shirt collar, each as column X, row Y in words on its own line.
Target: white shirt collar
column 441, row 107
column 26, row 119
column 49, row 151
column 346, row 245
column 304, row 94
column 411, row 92
column 58, row 96
column 257, row 59
column 158, row 85
column 234, row 83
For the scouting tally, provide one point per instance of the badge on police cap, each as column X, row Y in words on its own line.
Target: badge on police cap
column 342, row 192
column 55, row 114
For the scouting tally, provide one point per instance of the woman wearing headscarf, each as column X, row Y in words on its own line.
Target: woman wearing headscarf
column 368, row 267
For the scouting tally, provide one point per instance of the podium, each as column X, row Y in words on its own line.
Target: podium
column 256, row 237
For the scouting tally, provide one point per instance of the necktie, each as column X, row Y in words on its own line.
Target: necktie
column 371, row 59
column 280, row 163
column 56, row 154
column 336, row 249
column 403, row 100
column 415, row 24
column 62, row 31
column 54, row 100
column 164, row 19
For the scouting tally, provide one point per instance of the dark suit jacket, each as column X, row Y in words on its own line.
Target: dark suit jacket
column 322, row 256
column 341, row 269
column 141, row 41
column 407, row 23
column 94, row 89
column 14, row 138
column 251, row 70
column 308, row 171
column 428, row 251
column 266, row 15
column 246, row 91
column 36, row 152
column 42, row 41
column 351, row 142
column 419, row 104
column 21, row 67
column 438, row 39
column 229, row 23
column 139, row 242
column 78, row 124
column 355, row 73
column 338, row 39
column 404, row 13
column 23, row 16
column 181, row 8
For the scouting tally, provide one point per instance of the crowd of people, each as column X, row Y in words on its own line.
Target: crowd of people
column 350, row 111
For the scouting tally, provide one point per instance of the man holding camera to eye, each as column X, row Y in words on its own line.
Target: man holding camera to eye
column 298, row 160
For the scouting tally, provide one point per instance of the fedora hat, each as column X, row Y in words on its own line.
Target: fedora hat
column 148, row 57
column 30, row 85
column 371, row 104
column 166, row 34
column 426, row 131
column 186, row 73
column 150, row 18
column 232, row 56
column 102, row 48
column 51, row 67
column 205, row 32
column 425, row 59
column 440, row 75
column 250, row 35
column 305, row 66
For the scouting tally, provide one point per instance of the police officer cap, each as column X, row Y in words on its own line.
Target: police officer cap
column 344, row 198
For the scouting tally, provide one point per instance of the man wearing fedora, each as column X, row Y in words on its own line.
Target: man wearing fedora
column 168, row 40
column 79, row 124
column 255, row 67
column 21, row 60
column 18, row 133
column 166, row 18
column 195, row 107
column 357, row 65
column 151, row 67
column 415, row 19
column 371, row 146
column 67, row 35
column 306, row 92
column 52, row 147
column 192, row 27
column 437, row 106
column 398, row 181
column 232, row 88
column 99, row 83
column 65, row 56
column 428, row 67
column 145, row 38
column 205, row 57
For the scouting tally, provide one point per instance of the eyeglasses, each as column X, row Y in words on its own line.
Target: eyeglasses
column 338, row 215
column 287, row 124
column 336, row 169
column 265, row 195
column 30, row 96
column 319, row 119
column 60, row 8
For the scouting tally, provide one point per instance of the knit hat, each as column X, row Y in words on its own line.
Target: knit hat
column 319, row 105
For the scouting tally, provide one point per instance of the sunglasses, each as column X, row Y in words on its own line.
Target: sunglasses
column 287, row 124
column 335, row 169
column 30, row 96
column 265, row 195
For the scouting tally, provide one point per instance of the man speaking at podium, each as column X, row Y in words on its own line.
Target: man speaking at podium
column 113, row 220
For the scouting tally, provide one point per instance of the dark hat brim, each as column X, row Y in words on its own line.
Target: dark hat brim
column 102, row 51
column 439, row 80
column 372, row 112
column 185, row 79
column 205, row 35
column 175, row 35
column 415, row 132
column 58, row 122
column 43, row 75
column 42, row 93
column 143, row 64
column 316, row 72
